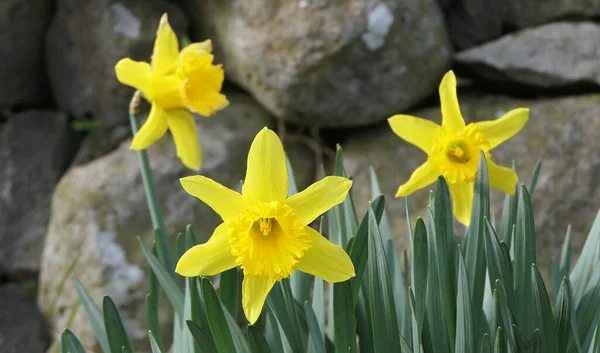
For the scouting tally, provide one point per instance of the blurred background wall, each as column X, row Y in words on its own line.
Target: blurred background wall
column 321, row 72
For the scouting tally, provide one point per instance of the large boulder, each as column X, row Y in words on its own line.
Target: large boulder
column 85, row 41
column 332, row 64
column 563, row 132
column 22, row 27
column 473, row 22
column 22, row 325
column 99, row 208
column 34, row 151
column 557, row 55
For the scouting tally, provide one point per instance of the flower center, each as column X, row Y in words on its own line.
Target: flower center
column 455, row 154
column 265, row 225
column 268, row 241
column 458, row 151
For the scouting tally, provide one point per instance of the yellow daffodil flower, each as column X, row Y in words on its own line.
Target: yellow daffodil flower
column 453, row 149
column 264, row 231
column 176, row 82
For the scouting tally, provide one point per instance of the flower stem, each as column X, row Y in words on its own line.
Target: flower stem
column 158, row 222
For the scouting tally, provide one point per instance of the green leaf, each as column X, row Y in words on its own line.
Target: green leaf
column 118, row 340
column 316, row 336
column 544, row 319
column 386, row 335
column 154, row 344
column 524, row 257
column 202, row 338
column 509, row 215
column 498, row 264
column 485, row 346
column 345, row 321
column 85, row 125
column 94, row 315
column 280, row 301
column 229, row 290
column 258, row 343
column 166, row 280
column 152, row 304
column 318, row 302
column 445, row 255
column 587, row 310
column 191, row 308
column 465, row 335
column 347, row 213
column 506, row 315
column 475, row 259
column 435, row 316
column 364, row 328
column 596, row 345
column 152, row 318
column 360, row 248
column 562, row 314
column 420, row 267
column 565, row 256
column 179, row 246
column 588, row 257
column 216, row 318
column 499, row 342
column 190, row 237
column 417, row 328
column 70, row 343
column 273, row 334
column 534, row 177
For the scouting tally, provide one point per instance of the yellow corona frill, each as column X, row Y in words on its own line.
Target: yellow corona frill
column 265, row 232
column 176, row 83
column 453, row 149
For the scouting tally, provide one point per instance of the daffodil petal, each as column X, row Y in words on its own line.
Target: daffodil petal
column 417, row 131
column 224, row 201
column 502, row 178
column 183, row 128
column 266, row 173
column 152, row 130
column 203, row 84
column 326, row 260
column 424, row 175
column 462, row 201
column 318, row 198
column 134, row 73
column 204, row 47
column 451, row 117
column 210, row 258
column 166, row 47
column 505, row 127
column 254, row 294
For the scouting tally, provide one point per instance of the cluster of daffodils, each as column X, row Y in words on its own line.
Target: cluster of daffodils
column 265, row 232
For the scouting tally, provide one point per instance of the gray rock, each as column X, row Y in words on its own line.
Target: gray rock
column 528, row 13
column 557, row 55
column 34, row 151
column 473, row 22
column 85, row 41
column 563, row 132
column 22, row 325
column 99, row 208
column 22, row 27
column 333, row 64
